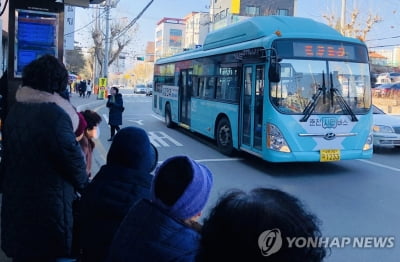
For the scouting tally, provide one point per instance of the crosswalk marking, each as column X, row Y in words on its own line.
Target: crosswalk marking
column 159, row 139
column 139, row 122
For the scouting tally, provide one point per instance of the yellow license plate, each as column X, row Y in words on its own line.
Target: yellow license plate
column 326, row 155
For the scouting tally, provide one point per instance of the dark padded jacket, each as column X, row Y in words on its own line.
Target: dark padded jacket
column 148, row 234
column 43, row 166
column 116, row 105
column 105, row 203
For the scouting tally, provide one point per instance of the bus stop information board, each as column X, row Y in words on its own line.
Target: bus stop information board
column 36, row 35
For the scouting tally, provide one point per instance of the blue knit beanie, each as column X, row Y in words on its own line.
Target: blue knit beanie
column 131, row 148
column 196, row 193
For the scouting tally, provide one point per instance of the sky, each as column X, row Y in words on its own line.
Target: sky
column 382, row 36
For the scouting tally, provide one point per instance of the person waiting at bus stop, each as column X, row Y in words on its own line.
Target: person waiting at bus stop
column 43, row 166
column 116, row 107
column 165, row 228
column 254, row 226
column 120, row 183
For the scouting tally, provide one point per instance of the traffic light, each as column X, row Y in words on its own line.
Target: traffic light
column 140, row 58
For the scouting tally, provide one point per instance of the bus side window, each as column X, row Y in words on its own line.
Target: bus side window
column 201, row 86
column 210, row 88
column 195, row 87
column 221, row 88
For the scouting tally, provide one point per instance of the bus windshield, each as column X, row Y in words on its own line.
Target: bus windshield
column 328, row 86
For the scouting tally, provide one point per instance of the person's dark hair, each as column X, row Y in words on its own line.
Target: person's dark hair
column 116, row 89
column 46, row 74
column 233, row 228
column 92, row 118
column 172, row 180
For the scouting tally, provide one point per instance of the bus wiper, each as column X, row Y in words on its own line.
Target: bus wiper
column 341, row 101
column 312, row 104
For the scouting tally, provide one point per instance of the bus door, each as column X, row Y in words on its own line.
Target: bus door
column 185, row 89
column 252, row 107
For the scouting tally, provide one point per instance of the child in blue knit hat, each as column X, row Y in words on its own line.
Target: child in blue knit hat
column 164, row 228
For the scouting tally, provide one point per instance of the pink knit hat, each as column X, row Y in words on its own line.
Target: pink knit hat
column 82, row 125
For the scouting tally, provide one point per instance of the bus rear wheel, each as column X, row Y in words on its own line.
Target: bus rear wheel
column 224, row 137
column 168, row 119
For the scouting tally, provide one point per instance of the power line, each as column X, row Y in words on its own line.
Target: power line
column 83, row 27
column 378, row 46
column 126, row 28
column 385, row 38
column 4, row 8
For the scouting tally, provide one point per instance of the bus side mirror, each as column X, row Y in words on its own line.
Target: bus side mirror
column 274, row 72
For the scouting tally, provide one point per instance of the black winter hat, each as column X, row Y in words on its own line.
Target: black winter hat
column 131, row 148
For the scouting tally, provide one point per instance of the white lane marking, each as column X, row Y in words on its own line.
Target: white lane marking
column 158, row 139
column 213, row 160
column 219, row 160
column 139, row 122
column 157, row 117
column 379, row 165
column 105, row 118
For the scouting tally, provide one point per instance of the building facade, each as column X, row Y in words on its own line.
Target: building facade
column 392, row 56
column 169, row 37
column 196, row 30
column 173, row 35
column 226, row 12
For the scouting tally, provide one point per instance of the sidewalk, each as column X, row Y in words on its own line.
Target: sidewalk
column 82, row 104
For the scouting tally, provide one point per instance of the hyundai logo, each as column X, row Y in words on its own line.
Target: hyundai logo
column 329, row 136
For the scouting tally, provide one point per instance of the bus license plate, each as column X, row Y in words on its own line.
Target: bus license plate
column 329, row 155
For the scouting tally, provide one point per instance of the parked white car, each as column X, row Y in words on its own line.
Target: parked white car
column 385, row 78
column 140, row 89
column 386, row 129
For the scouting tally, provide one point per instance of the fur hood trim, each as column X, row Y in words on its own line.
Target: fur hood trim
column 27, row 94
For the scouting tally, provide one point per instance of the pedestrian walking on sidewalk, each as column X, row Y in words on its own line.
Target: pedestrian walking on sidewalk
column 115, row 105
column 89, row 88
column 43, row 166
column 82, row 88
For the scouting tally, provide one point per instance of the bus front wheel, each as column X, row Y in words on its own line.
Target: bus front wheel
column 224, row 137
column 168, row 119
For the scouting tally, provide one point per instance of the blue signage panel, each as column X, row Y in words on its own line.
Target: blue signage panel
column 36, row 35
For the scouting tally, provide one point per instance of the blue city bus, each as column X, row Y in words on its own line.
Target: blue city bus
column 286, row 89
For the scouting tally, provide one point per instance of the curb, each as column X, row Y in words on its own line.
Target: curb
column 89, row 105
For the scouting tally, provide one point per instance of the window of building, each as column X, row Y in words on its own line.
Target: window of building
column 175, row 37
column 252, row 11
column 283, row 12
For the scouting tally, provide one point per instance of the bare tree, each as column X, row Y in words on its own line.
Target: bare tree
column 355, row 27
column 143, row 72
column 74, row 60
column 117, row 42
column 120, row 36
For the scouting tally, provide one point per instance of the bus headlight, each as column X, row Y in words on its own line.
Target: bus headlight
column 275, row 139
column 368, row 143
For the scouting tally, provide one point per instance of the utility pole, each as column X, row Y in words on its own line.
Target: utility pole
column 343, row 17
column 107, row 40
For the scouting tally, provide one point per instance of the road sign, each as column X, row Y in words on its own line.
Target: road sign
column 103, row 82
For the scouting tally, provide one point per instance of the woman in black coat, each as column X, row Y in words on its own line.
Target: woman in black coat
column 119, row 184
column 43, row 166
column 116, row 107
